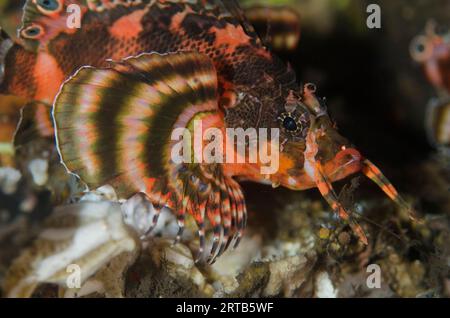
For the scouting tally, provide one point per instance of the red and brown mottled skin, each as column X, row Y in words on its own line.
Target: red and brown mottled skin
column 160, row 26
column 255, row 89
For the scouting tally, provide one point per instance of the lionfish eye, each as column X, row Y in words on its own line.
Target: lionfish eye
column 289, row 123
column 49, row 5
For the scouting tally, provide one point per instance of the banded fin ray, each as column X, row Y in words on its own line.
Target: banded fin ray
column 118, row 108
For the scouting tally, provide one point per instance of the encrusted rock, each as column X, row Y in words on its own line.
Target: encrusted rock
column 79, row 239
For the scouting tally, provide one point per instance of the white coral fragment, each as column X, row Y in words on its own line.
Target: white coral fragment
column 39, row 171
column 87, row 234
column 324, row 286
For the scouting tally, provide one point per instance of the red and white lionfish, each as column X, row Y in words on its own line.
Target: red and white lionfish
column 136, row 70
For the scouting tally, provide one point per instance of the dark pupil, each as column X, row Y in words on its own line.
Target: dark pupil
column 290, row 124
column 420, row 47
column 48, row 4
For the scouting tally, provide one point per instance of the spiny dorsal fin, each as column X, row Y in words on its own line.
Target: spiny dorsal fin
column 44, row 20
column 54, row 51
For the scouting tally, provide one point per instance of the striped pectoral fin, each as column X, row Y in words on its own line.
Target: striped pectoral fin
column 113, row 125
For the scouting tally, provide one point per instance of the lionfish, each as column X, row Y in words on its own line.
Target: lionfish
column 136, row 70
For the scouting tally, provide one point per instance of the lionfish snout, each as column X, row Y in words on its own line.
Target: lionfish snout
column 325, row 157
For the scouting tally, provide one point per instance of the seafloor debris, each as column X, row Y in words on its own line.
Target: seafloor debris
column 305, row 253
